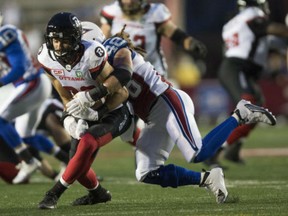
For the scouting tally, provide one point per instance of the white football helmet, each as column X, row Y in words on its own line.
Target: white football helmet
column 90, row 31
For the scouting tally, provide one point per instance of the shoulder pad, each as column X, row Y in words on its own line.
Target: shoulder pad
column 159, row 13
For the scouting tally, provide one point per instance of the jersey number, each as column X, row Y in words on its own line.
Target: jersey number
column 113, row 45
column 6, row 38
column 140, row 39
column 134, row 88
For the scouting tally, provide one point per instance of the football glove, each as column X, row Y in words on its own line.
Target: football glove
column 82, row 99
column 70, row 125
column 75, row 129
column 85, row 113
column 198, row 49
column 81, row 128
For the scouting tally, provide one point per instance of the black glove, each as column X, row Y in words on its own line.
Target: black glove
column 198, row 50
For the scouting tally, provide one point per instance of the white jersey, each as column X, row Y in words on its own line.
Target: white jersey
column 143, row 33
column 146, row 84
column 240, row 41
column 80, row 77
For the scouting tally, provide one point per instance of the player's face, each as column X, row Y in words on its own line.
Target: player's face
column 130, row 7
column 61, row 46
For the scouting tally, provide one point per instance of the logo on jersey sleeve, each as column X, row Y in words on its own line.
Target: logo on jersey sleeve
column 99, row 51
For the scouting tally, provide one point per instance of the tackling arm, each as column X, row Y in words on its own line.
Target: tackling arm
column 116, row 99
column 111, row 80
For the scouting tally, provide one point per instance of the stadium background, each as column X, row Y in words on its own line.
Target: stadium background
column 201, row 18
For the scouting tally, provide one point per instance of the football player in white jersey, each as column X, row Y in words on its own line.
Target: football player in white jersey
column 22, row 102
column 169, row 116
column 74, row 65
column 146, row 23
column 246, row 49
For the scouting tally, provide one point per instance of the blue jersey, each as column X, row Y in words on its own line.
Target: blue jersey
column 17, row 64
column 113, row 45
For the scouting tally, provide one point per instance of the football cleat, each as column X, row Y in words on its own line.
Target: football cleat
column 214, row 182
column 25, row 171
column 249, row 113
column 49, row 201
column 99, row 195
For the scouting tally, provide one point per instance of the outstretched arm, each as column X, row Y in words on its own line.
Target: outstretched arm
column 181, row 38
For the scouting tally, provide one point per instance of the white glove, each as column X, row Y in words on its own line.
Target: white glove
column 81, row 99
column 85, row 98
column 75, row 129
column 81, row 128
column 70, row 125
column 85, row 113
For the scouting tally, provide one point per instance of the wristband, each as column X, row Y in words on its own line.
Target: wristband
column 98, row 92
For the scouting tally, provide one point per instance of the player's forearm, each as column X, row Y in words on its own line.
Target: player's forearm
column 113, row 101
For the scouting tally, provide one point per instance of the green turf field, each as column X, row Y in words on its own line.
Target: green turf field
column 258, row 188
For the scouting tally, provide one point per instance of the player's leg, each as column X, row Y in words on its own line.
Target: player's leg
column 13, row 107
column 236, row 78
column 8, row 162
column 83, row 155
column 184, row 131
column 78, row 165
column 50, row 123
column 26, row 125
column 96, row 193
column 153, row 149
